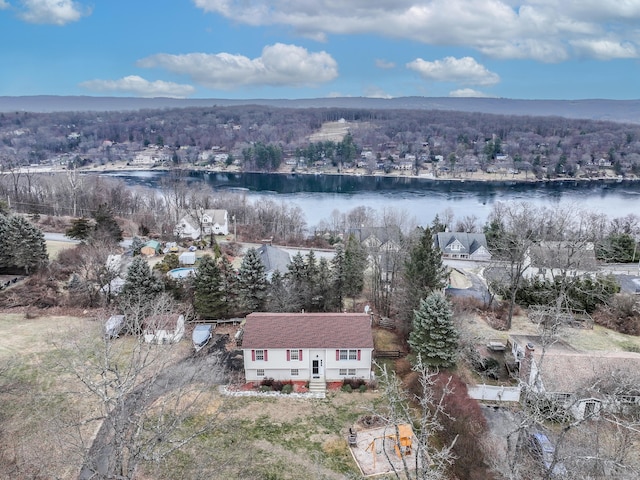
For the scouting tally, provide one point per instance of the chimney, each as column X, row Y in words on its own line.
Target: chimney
column 525, row 363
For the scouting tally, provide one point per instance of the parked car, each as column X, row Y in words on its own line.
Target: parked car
column 542, row 448
column 201, row 335
column 113, row 326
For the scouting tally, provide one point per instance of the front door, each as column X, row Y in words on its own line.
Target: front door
column 317, row 363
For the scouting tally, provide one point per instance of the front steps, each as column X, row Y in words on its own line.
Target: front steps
column 318, row 386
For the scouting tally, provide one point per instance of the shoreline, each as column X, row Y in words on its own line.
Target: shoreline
column 474, row 177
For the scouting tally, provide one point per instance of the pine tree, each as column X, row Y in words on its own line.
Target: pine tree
column 338, row 278
column 434, row 337
column 279, row 295
column 252, row 282
column 139, row 293
column 106, row 228
column 229, row 286
column 80, row 229
column 28, row 249
column 355, row 261
column 136, row 245
column 208, row 299
column 424, row 270
column 323, row 298
column 296, row 277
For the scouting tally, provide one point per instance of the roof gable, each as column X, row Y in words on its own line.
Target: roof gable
column 307, row 330
column 470, row 242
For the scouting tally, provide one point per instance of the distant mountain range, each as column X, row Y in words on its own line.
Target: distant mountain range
column 627, row 111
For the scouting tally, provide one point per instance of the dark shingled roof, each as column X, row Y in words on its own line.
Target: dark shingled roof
column 307, row 330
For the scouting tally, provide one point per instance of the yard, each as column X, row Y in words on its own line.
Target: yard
column 42, row 406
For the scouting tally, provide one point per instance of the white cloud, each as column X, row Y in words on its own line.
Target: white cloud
column 467, row 93
column 544, row 30
column 384, row 64
column 3, row 5
column 279, row 65
column 55, row 12
column 136, row 85
column 450, row 69
column 605, row 49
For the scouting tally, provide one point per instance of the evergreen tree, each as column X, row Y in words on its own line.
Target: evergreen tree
column 80, row 229
column 27, row 249
column 252, row 282
column 139, row 293
column 355, row 262
column 323, row 298
column 106, row 228
column 229, row 286
column 136, row 245
column 424, row 270
column 296, row 277
column 434, row 338
column 279, row 295
column 338, row 278
column 208, row 298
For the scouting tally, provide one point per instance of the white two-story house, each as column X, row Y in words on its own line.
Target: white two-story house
column 324, row 347
column 203, row 223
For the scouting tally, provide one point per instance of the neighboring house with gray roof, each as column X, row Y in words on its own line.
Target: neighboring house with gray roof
column 462, row 245
column 582, row 382
column 274, row 259
column 307, row 346
column 202, row 223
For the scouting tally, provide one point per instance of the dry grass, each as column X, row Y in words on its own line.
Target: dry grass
column 598, row 338
column 25, row 337
column 386, row 340
column 55, row 247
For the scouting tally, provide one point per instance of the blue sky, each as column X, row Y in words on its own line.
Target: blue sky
column 527, row 49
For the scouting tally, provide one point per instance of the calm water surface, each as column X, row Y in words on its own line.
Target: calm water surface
column 319, row 195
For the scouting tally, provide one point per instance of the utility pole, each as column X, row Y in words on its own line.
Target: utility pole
column 235, row 231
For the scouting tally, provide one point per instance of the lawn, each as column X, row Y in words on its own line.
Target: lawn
column 54, row 247
column 43, row 407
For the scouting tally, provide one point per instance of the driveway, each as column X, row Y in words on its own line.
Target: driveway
column 477, row 289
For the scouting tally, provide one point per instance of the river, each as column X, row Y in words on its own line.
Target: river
column 319, row 195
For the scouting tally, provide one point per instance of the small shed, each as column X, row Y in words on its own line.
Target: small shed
column 164, row 329
column 187, row 258
column 151, row 248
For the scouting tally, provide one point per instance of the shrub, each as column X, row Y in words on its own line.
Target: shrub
column 287, row 388
column 622, row 315
column 346, row 388
column 267, row 382
column 362, row 388
column 354, row 383
column 462, row 417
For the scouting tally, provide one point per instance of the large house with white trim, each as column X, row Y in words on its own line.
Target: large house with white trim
column 462, row 245
column 320, row 347
column 204, row 223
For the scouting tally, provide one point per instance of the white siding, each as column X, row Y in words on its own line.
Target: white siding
column 277, row 367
